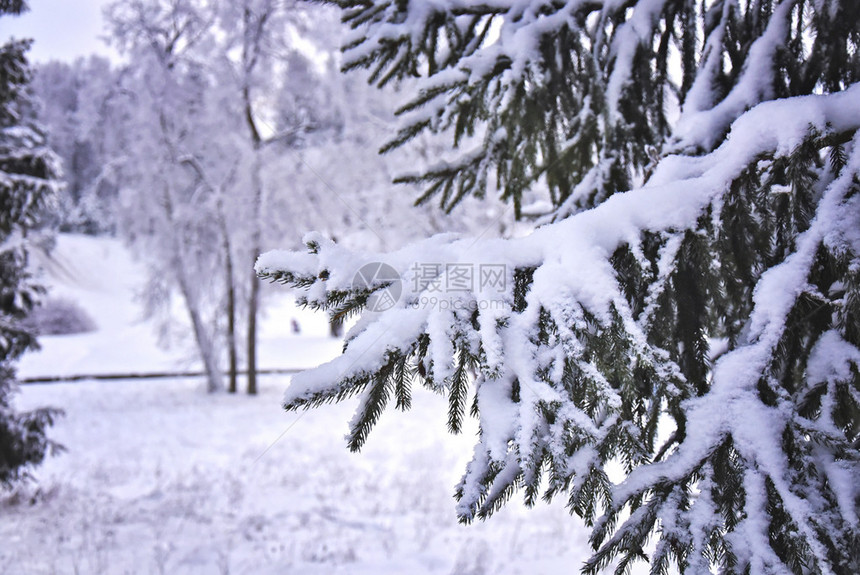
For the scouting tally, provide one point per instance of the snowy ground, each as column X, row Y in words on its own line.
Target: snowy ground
column 160, row 477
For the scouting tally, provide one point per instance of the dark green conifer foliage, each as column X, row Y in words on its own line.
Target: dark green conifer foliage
column 736, row 419
column 28, row 181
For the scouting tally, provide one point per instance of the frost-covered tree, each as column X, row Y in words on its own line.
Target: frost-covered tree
column 166, row 210
column 28, row 183
column 676, row 351
column 215, row 99
column 218, row 103
column 260, row 33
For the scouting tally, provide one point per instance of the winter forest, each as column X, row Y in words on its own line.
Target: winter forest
column 448, row 286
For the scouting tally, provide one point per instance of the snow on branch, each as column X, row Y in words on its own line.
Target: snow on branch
column 559, row 354
column 590, row 345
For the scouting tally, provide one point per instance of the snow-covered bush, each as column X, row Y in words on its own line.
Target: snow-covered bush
column 690, row 310
column 59, row 316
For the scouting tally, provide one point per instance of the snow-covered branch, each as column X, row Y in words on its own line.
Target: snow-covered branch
column 587, row 344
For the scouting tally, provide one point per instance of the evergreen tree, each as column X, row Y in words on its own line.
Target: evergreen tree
column 28, row 182
column 701, row 330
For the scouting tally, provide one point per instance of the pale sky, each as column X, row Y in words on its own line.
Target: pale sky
column 62, row 29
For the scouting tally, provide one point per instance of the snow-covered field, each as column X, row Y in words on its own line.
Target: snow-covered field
column 160, row 477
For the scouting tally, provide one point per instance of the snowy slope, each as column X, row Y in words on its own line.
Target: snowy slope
column 99, row 275
column 160, row 477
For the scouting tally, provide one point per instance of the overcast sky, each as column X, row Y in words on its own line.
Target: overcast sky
column 62, row 29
